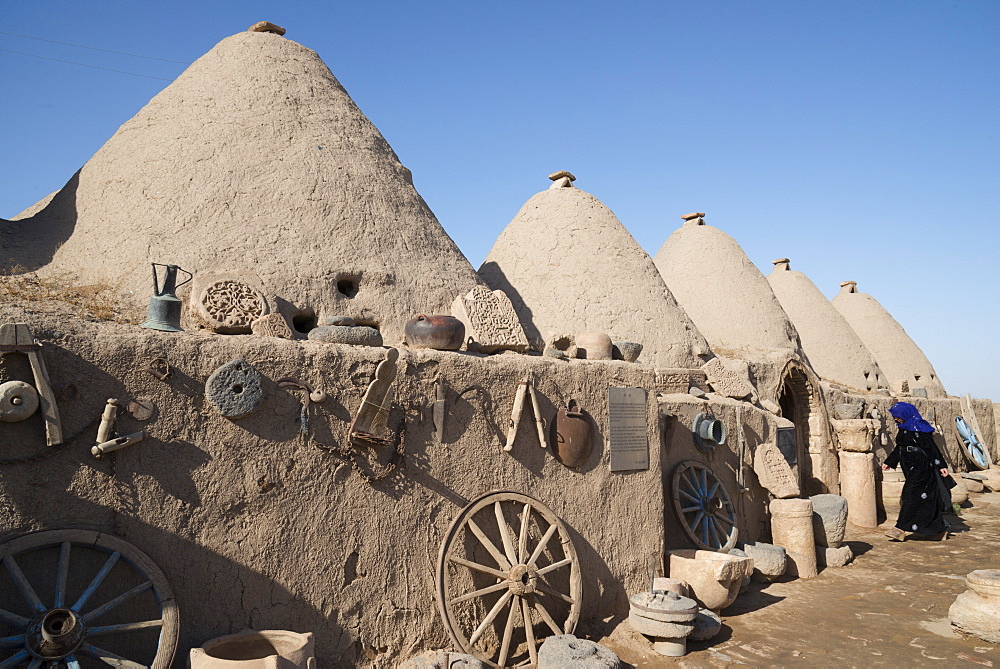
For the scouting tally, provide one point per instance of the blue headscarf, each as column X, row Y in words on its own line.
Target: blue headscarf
column 912, row 420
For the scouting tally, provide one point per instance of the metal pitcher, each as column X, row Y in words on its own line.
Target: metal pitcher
column 165, row 307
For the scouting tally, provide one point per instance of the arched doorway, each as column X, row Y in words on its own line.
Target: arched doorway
column 805, row 448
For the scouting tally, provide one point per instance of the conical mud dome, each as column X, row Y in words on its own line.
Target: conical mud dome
column 254, row 163
column 834, row 350
column 725, row 294
column 569, row 266
column 899, row 357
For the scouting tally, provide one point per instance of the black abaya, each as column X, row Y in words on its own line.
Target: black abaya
column 924, row 497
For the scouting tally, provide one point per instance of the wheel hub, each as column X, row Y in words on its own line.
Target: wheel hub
column 522, row 579
column 55, row 634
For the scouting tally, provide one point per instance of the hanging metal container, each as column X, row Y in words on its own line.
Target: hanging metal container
column 165, row 307
column 572, row 435
column 444, row 333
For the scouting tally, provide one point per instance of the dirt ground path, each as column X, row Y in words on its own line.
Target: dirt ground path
column 888, row 608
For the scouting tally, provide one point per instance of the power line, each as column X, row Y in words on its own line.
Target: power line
column 96, row 67
column 94, row 48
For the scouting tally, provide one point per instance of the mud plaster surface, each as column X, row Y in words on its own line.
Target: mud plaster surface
column 570, row 266
column 889, row 608
column 833, row 348
column 897, row 354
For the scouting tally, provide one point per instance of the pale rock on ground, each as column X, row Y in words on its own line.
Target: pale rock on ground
column 769, row 561
column 566, row 651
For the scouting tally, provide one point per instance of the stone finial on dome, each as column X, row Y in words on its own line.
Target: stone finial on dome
column 781, row 264
column 266, row 27
column 694, row 218
column 562, row 179
column 848, row 287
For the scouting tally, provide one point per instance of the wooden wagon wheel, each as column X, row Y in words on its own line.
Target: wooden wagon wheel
column 67, row 568
column 500, row 558
column 974, row 450
column 703, row 506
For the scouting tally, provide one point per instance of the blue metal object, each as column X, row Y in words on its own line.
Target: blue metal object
column 974, row 450
column 165, row 307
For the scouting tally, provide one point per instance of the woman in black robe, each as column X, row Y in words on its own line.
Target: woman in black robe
column 925, row 496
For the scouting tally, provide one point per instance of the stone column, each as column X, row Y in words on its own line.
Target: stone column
column 792, row 529
column 857, row 485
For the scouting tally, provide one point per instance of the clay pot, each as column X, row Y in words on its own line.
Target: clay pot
column 249, row 649
column 594, row 346
column 572, row 435
column 443, row 333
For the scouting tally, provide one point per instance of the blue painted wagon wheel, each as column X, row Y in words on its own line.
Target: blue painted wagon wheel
column 703, row 507
column 507, row 575
column 72, row 594
column 974, row 450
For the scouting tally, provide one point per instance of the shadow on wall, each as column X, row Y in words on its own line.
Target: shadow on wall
column 30, row 243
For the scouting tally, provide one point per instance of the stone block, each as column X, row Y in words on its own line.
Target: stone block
column 714, row 578
column 356, row 335
column 973, row 486
column 565, row 651
column 854, row 435
column 491, row 323
column 626, row 350
column 663, row 584
column 707, row 624
column 829, row 519
column 977, row 610
column 227, row 305
column 833, row 557
column 774, row 472
column 730, row 378
column 272, row 325
column 660, row 628
column 792, row 528
column 769, row 561
column 857, row 485
column 443, row 659
column 235, row 389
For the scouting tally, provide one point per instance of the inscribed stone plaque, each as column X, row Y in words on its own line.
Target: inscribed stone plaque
column 490, row 321
column 628, row 431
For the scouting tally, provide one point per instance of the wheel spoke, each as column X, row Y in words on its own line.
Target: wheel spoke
column 490, row 616
column 522, row 539
column 555, row 565
column 14, row 659
column 12, row 641
column 543, row 612
column 98, row 579
column 553, row 593
column 693, row 498
column 697, row 519
column 529, row 632
column 35, row 663
column 704, row 530
column 14, row 619
column 541, row 544
column 727, row 520
column 508, row 631
column 489, row 545
column 104, row 608
column 723, row 534
column 60, row 598
column 109, row 658
column 689, row 509
column 713, row 533
column 22, row 584
column 711, row 492
column 479, row 593
column 72, row 662
column 124, row 627
column 508, row 542
column 472, row 565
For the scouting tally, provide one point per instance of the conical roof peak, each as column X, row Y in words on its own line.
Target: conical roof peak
column 255, row 162
column 570, row 266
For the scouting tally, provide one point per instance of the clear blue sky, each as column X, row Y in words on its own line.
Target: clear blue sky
column 857, row 138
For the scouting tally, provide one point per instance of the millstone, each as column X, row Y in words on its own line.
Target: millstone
column 235, row 389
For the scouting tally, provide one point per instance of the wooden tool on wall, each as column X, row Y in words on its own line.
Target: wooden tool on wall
column 16, row 337
column 525, row 389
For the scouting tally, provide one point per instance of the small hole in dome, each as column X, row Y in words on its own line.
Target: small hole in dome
column 916, row 377
column 347, row 287
column 304, row 322
column 237, row 388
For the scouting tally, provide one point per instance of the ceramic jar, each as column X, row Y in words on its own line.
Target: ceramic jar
column 594, row 346
column 572, row 439
column 444, row 333
column 249, row 649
